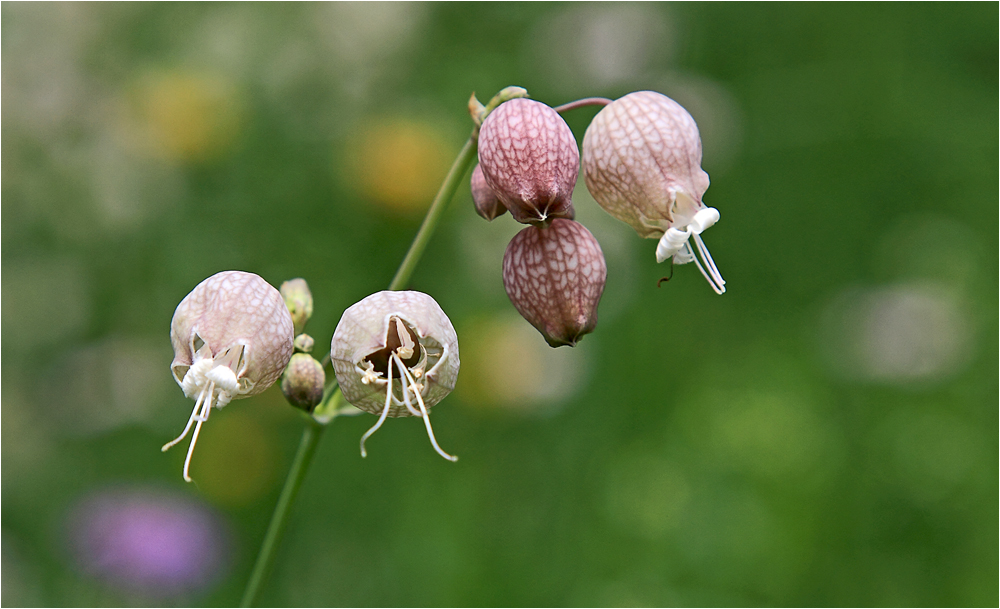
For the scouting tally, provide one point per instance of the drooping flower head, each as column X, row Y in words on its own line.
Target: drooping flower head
column 232, row 338
column 529, row 158
column 554, row 277
column 642, row 164
column 395, row 354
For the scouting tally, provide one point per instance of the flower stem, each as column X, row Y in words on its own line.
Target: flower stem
column 587, row 101
column 326, row 411
column 458, row 169
column 279, row 520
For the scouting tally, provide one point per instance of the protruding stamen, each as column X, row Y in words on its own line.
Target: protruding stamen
column 403, row 372
column 201, row 418
column 423, row 410
column 191, row 420
column 712, row 273
column 385, row 413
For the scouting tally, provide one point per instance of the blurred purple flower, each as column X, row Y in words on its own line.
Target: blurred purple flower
column 148, row 540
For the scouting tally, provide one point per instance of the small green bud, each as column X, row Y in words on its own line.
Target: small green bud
column 304, row 343
column 299, row 301
column 303, row 381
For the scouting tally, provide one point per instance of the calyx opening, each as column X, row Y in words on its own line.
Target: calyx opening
column 400, row 340
column 404, row 360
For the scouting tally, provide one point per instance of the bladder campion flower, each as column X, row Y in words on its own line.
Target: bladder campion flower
column 642, row 163
column 232, row 338
column 554, row 277
column 395, row 354
column 529, row 158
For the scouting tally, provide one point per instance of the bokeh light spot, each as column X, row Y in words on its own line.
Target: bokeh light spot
column 189, row 116
column 506, row 364
column 44, row 300
column 235, row 462
column 896, row 334
column 646, row 495
column 148, row 541
column 398, row 163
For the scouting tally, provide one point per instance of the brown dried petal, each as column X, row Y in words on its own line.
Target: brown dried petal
column 555, row 276
column 642, row 162
column 530, row 159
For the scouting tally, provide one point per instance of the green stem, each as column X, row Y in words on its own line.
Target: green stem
column 279, row 521
column 326, row 410
column 458, row 169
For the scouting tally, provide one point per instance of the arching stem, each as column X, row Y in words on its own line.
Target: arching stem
column 587, row 101
column 333, row 400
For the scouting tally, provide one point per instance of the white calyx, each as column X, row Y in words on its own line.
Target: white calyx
column 675, row 243
column 209, row 382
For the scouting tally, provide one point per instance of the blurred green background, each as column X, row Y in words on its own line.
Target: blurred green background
column 825, row 433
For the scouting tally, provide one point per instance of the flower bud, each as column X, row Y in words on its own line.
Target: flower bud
column 299, row 301
column 396, row 354
column 554, row 276
column 529, row 158
column 486, row 201
column 232, row 338
column 642, row 164
column 304, row 343
column 303, row 382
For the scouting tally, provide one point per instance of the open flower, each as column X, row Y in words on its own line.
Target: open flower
column 232, row 338
column 642, row 164
column 395, row 354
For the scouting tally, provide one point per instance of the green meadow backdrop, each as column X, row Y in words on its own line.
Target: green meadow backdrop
column 825, row 433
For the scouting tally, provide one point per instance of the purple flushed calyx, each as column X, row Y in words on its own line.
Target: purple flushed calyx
column 554, row 277
column 487, row 204
column 530, row 159
column 642, row 164
column 232, row 338
column 395, row 354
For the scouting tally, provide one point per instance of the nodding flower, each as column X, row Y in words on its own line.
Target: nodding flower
column 529, row 158
column 642, row 164
column 232, row 338
column 395, row 354
column 554, row 277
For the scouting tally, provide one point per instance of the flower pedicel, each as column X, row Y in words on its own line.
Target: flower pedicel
column 642, row 164
column 232, row 338
column 395, row 354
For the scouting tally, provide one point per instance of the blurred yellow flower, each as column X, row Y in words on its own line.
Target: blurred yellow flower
column 397, row 163
column 189, row 115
